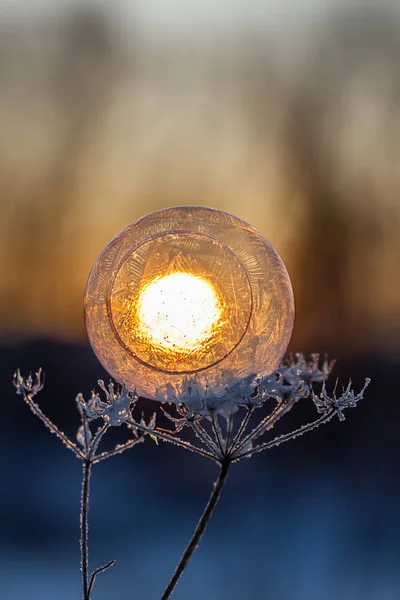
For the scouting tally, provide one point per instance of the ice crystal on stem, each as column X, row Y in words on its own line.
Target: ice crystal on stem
column 224, row 432
column 115, row 410
column 337, row 404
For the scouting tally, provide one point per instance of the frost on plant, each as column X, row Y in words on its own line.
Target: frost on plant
column 347, row 399
column 114, row 410
column 228, row 425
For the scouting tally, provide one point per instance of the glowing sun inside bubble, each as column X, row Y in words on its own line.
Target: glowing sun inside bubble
column 179, row 312
column 188, row 295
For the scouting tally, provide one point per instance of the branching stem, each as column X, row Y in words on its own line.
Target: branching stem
column 243, row 425
column 287, row 436
column 266, row 424
column 201, row 527
column 50, row 425
column 96, row 572
column 170, row 438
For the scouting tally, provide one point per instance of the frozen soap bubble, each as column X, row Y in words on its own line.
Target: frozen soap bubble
column 188, row 296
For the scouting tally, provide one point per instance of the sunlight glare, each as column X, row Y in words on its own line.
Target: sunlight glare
column 179, row 312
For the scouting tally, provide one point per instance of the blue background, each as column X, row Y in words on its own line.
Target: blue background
column 316, row 517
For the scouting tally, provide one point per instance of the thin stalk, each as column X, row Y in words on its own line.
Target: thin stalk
column 200, row 529
column 118, row 450
column 241, row 429
column 94, row 444
column 87, row 466
column 205, row 438
column 266, row 424
column 170, row 438
column 287, row 436
column 50, row 425
column 229, row 426
column 217, row 435
column 96, row 572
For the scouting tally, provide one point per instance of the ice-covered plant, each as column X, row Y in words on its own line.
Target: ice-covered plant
column 228, row 426
column 115, row 409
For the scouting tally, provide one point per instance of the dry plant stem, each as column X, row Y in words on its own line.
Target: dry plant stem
column 96, row 572
column 50, row 425
column 201, row 526
column 162, row 435
column 87, row 467
column 90, row 448
column 266, row 424
column 241, row 430
column 118, row 450
column 286, row 437
column 229, row 426
column 204, row 437
column 217, row 434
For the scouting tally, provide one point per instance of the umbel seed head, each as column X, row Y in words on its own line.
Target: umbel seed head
column 188, row 295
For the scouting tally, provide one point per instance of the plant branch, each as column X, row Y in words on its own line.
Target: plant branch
column 87, row 465
column 170, row 438
column 287, row 436
column 53, row 428
column 217, row 433
column 117, row 450
column 94, row 444
column 243, row 425
column 96, row 572
column 205, row 438
column 229, row 426
column 267, row 423
column 86, row 431
column 198, row 532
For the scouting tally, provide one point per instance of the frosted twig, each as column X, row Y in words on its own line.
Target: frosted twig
column 87, row 467
column 117, row 450
column 96, row 572
column 96, row 441
column 267, row 423
column 165, row 437
column 229, row 425
column 202, row 434
column 285, row 437
column 200, row 529
column 28, row 390
column 241, row 429
column 217, row 432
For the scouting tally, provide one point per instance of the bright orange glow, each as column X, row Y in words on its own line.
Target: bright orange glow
column 188, row 295
column 178, row 312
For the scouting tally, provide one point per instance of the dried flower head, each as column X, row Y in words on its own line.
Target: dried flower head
column 225, row 432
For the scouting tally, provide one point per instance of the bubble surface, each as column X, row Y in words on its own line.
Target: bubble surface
column 188, row 295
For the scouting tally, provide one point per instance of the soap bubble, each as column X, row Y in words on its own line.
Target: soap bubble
column 188, row 296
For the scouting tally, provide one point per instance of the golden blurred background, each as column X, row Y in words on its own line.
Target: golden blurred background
column 285, row 114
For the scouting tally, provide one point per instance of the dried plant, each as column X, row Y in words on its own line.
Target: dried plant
column 115, row 409
column 227, row 424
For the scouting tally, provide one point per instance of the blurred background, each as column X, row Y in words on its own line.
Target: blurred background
column 286, row 114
